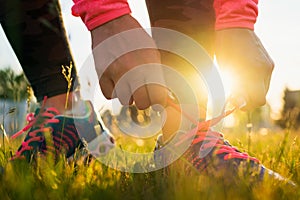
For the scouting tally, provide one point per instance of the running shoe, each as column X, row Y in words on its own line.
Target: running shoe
column 209, row 153
column 51, row 132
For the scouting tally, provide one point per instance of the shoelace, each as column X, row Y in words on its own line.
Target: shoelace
column 203, row 133
column 38, row 122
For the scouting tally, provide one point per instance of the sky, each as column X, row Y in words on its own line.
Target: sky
column 278, row 27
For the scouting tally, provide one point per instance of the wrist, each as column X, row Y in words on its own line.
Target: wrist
column 118, row 25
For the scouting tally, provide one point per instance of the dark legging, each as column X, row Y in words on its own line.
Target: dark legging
column 196, row 19
column 36, row 33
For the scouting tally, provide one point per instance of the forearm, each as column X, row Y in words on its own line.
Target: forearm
column 97, row 12
column 235, row 14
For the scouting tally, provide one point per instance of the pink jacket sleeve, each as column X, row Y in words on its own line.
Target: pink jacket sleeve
column 97, row 12
column 235, row 13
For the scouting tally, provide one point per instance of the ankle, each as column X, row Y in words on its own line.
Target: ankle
column 62, row 102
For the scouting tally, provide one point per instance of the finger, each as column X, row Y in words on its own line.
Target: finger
column 267, row 79
column 131, row 100
column 107, row 87
column 141, row 98
column 267, row 84
column 157, row 94
column 155, row 84
column 255, row 94
column 126, row 84
column 123, row 92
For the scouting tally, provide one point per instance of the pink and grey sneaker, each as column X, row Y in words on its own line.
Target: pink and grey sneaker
column 208, row 152
column 50, row 132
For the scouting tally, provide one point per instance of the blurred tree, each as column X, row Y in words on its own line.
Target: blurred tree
column 13, row 91
column 13, row 86
column 291, row 109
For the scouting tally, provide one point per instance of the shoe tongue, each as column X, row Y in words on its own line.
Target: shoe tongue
column 37, row 111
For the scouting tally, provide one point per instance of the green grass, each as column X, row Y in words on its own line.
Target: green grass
column 278, row 151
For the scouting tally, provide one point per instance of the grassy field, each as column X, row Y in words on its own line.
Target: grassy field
column 278, row 151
